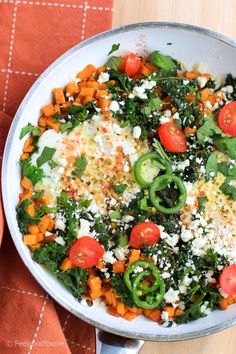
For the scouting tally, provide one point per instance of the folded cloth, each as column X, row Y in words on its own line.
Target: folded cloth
column 35, row 34
column 31, row 322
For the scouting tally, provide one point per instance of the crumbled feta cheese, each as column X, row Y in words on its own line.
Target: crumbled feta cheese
column 121, row 253
column 47, row 234
column 114, row 107
column 171, row 296
column 117, row 129
column 84, row 229
column 201, row 81
column 176, row 115
column 165, row 316
column 127, row 218
column 204, row 309
column 60, row 222
column 60, row 240
column 187, row 281
column 207, row 104
column 126, row 167
column 228, row 89
column 137, row 132
column 103, row 77
column 164, row 120
column 108, row 257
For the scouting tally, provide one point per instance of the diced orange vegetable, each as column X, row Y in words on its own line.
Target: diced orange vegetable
column 86, row 72
column 43, row 224
column 46, row 198
column 144, row 70
column 155, row 315
column 48, row 110
column 223, row 303
column 110, row 298
column 88, row 99
column 100, row 265
column 147, row 312
column 29, row 148
column 30, row 210
column 189, row 130
column 93, row 84
column 101, row 69
column 50, row 224
column 26, row 183
column 118, row 267
column 24, row 196
column 66, row 264
column 32, row 239
column 33, row 229
column 121, row 308
column 136, row 310
column 230, row 300
column 104, row 103
column 42, row 121
column 59, row 95
column 94, row 283
column 178, row 312
column 112, row 311
column 101, row 94
column 94, row 294
column 51, row 124
column 192, row 75
column 205, row 93
column 191, row 97
column 72, row 88
column 134, row 256
column 35, row 246
column 87, row 91
column 56, row 108
column 129, row 315
column 170, row 310
column 24, row 156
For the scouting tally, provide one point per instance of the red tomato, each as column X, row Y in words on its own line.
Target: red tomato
column 132, row 66
column 86, row 252
column 227, row 280
column 144, row 234
column 172, row 137
column 227, row 118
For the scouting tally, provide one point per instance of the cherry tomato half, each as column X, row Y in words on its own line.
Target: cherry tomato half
column 227, row 280
column 132, row 65
column 144, row 234
column 172, row 137
column 86, row 252
column 227, row 118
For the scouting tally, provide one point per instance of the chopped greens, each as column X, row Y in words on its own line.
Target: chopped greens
column 114, row 48
column 32, row 172
column 29, row 128
column 120, row 188
column 80, row 164
column 46, row 156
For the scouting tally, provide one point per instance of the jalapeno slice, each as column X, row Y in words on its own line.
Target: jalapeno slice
column 148, row 297
column 161, row 183
column 148, row 166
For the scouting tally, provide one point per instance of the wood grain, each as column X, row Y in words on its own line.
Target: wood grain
column 217, row 15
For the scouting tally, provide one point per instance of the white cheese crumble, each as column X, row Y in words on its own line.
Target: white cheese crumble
column 137, row 132
column 60, row 240
column 103, row 77
column 201, row 80
column 114, row 106
column 84, row 229
column 60, row 222
column 171, row 296
column 165, row 316
column 108, row 257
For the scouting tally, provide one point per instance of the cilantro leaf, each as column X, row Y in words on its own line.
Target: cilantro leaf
column 23, row 218
column 38, row 195
column 46, row 156
column 159, row 149
column 29, row 128
column 114, row 48
column 76, row 115
column 227, row 169
column 32, row 172
column 227, row 145
column 52, row 164
column 115, row 214
column 120, row 188
column 153, row 104
column 80, row 164
column 162, row 61
column 211, row 165
column 201, row 202
column 208, row 129
column 122, row 78
column 228, row 188
column 113, row 63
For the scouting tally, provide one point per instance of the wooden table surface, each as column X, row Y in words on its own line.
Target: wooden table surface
column 218, row 15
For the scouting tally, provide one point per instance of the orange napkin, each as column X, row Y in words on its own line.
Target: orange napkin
column 36, row 33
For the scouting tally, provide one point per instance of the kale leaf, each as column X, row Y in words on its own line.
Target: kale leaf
column 118, row 284
column 23, row 218
column 34, row 173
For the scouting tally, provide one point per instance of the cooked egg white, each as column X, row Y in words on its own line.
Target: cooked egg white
column 110, row 153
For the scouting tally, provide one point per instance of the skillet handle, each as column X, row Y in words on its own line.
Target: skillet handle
column 108, row 343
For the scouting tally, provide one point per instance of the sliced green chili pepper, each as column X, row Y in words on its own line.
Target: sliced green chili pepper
column 161, row 183
column 148, row 166
column 144, row 296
